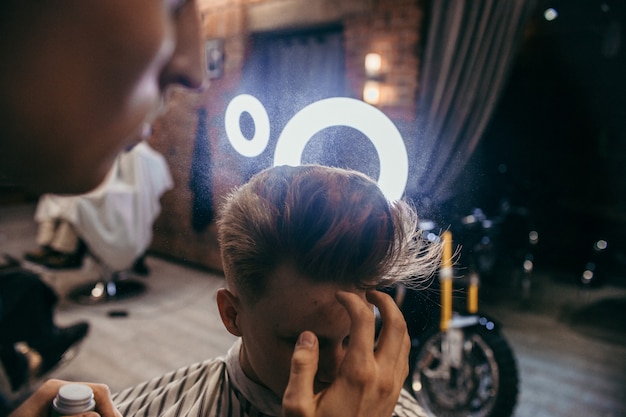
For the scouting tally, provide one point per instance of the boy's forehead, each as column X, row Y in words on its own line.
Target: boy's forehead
column 320, row 313
column 293, row 303
column 286, row 281
column 290, row 290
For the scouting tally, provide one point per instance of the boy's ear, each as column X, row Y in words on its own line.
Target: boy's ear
column 228, row 306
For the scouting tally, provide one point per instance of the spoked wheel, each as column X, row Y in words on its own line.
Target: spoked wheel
column 483, row 385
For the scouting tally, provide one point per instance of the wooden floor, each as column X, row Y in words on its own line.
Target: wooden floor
column 567, row 369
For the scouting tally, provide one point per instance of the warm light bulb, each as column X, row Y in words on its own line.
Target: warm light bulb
column 371, row 92
column 373, row 64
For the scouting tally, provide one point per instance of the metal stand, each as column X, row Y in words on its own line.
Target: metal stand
column 112, row 286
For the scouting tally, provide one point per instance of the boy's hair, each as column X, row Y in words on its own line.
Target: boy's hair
column 333, row 225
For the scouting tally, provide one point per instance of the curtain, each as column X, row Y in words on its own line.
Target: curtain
column 286, row 72
column 470, row 48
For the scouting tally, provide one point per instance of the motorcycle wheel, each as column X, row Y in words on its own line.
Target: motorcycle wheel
column 485, row 385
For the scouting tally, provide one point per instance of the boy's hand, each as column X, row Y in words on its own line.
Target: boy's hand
column 368, row 382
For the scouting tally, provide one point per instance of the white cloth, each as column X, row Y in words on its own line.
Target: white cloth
column 218, row 388
column 115, row 220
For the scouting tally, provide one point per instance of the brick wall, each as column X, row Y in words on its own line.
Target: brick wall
column 391, row 28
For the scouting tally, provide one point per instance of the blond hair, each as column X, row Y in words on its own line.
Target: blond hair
column 332, row 224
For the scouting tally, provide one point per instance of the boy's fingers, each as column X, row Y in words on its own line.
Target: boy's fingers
column 362, row 326
column 393, row 342
column 299, row 394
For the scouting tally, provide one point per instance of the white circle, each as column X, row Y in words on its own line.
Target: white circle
column 250, row 104
column 550, row 14
column 343, row 111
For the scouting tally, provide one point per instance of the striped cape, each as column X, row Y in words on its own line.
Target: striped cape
column 216, row 387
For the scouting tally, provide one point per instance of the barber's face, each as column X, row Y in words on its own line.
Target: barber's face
column 271, row 327
column 84, row 80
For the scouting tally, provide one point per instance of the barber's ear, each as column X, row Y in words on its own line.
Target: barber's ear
column 228, row 306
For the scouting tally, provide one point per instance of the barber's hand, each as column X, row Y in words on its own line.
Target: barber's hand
column 368, row 382
column 38, row 404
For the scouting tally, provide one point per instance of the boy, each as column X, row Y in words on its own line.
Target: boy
column 303, row 249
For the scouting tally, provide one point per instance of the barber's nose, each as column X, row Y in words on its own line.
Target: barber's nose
column 186, row 66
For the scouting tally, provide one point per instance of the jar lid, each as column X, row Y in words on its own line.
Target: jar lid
column 74, row 398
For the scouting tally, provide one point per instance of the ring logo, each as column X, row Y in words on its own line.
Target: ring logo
column 336, row 111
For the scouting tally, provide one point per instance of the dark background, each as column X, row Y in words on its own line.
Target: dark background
column 557, row 141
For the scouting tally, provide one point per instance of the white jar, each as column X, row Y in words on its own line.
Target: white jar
column 73, row 399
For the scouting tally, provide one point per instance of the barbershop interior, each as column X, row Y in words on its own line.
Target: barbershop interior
column 502, row 122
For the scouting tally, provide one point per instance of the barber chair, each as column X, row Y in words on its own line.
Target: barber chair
column 115, row 221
